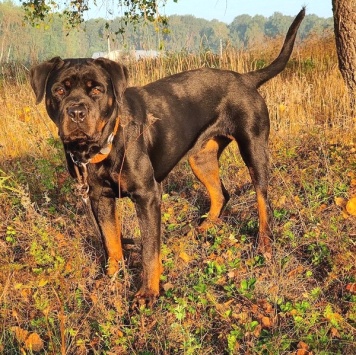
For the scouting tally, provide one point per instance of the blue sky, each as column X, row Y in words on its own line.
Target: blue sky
column 227, row 10
column 224, row 10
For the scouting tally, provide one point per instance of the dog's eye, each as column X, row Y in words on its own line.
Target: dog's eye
column 60, row 91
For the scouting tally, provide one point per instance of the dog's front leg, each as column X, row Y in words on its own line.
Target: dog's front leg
column 148, row 208
column 105, row 213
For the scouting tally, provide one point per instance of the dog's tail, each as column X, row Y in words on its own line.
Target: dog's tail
column 259, row 77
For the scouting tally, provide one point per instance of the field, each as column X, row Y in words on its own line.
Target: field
column 218, row 295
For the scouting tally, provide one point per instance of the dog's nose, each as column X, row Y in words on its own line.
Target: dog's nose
column 77, row 113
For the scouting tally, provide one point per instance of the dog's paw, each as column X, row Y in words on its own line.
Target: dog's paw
column 145, row 298
column 265, row 247
column 207, row 224
column 267, row 255
column 113, row 267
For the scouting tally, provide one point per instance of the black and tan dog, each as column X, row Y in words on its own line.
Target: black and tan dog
column 123, row 141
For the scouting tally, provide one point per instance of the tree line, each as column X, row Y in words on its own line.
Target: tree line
column 24, row 43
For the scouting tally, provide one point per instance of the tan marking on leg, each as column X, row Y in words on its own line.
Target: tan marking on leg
column 208, row 175
column 264, row 242
column 112, row 238
column 150, row 286
column 155, row 276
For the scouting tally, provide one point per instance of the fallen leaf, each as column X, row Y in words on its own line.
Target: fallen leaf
column 94, row 298
column 303, row 349
column 351, row 206
column 293, row 312
column 266, row 322
column 351, row 287
column 20, row 334
column 267, row 306
column 281, row 201
column 345, row 215
column 168, row 286
column 339, row 201
column 303, row 352
column 184, row 256
column 34, row 342
column 257, row 331
column 302, row 345
column 231, row 274
column 333, row 317
column 25, row 294
column 297, row 271
column 273, row 290
column 69, row 267
column 42, row 282
column 334, row 333
column 322, row 207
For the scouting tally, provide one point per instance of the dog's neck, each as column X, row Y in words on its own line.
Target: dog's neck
column 102, row 154
column 105, row 151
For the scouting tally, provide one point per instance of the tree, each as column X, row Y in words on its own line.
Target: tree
column 345, row 37
column 277, row 24
column 213, row 34
column 255, row 32
column 73, row 10
column 238, row 28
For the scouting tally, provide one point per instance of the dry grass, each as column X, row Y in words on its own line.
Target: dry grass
column 219, row 296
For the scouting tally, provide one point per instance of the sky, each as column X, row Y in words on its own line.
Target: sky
column 225, row 10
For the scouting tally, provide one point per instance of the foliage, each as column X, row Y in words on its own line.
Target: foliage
column 49, row 38
column 73, row 11
column 218, row 295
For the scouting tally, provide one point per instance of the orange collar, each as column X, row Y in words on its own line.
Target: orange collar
column 105, row 151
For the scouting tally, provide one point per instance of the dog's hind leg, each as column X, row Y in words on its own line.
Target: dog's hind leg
column 254, row 151
column 205, row 166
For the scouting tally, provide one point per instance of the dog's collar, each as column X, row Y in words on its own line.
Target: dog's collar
column 105, row 151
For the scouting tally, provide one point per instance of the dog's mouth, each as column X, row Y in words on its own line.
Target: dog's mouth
column 80, row 151
column 78, row 137
column 81, row 146
column 84, row 142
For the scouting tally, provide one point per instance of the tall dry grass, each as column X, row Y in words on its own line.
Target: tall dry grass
column 309, row 94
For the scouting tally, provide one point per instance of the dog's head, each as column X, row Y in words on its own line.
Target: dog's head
column 82, row 97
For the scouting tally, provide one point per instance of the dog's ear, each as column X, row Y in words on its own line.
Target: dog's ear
column 118, row 73
column 39, row 76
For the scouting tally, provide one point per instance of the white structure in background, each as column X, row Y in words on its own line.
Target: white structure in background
column 122, row 54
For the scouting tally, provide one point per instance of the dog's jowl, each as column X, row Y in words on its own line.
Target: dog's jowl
column 123, row 141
